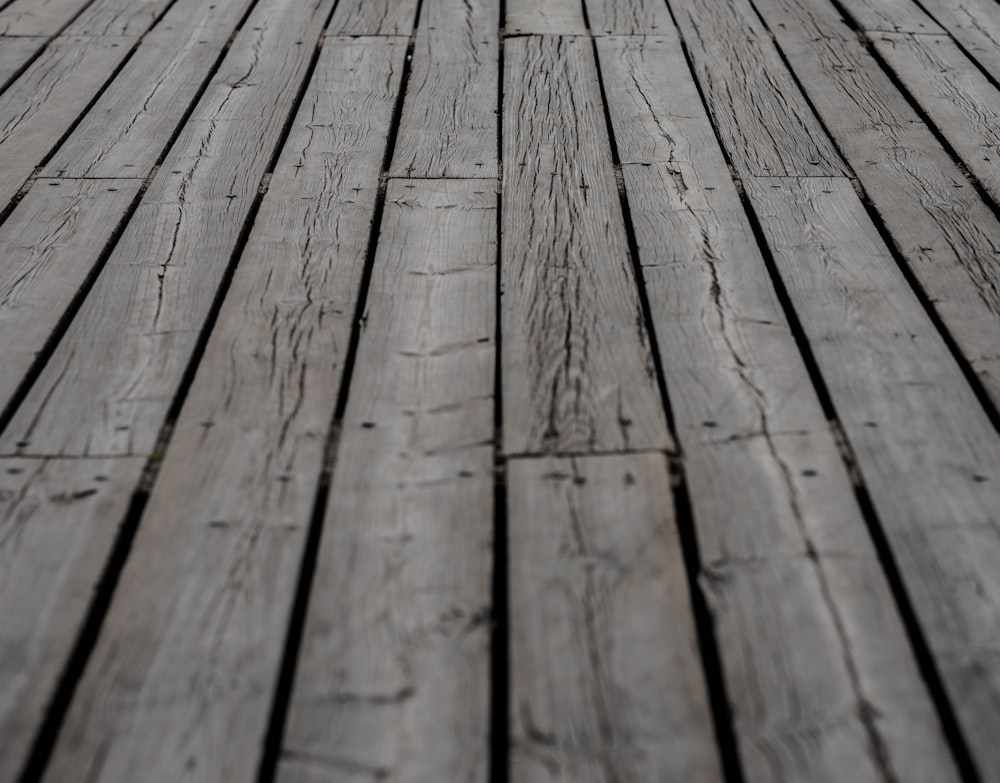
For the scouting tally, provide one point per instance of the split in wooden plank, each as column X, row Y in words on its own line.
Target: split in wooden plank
column 393, row 677
column 606, row 682
column 58, row 523
column 759, row 112
column 374, row 17
column 801, row 609
column 628, row 17
column 553, row 17
column 111, row 380
column 578, row 373
column 449, row 122
column 44, row 18
column 127, row 130
column 925, row 448
column 205, row 598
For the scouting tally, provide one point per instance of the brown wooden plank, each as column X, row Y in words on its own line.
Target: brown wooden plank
column 628, row 17
column 802, row 612
column 553, row 17
column 126, row 132
column 449, row 122
column 110, row 382
column 212, row 573
column 393, row 678
column 58, row 521
column 39, row 17
column 948, row 236
column 373, row 17
column 925, row 448
column 578, row 374
column 766, row 125
column 606, row 683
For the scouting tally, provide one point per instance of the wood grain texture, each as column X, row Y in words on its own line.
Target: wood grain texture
column 925, row 449
column 552, row 17
column 948, row 236
column 104, row 18
column 888, row 15
column 50, row 245
column 393, row 679
column 39, row 17
column 759, row 112
column 578, row 374
column 373, row 17
column 802, row 612
column 15, row 54
column 449, row 122
column 58, row 522
column 628, row 17
column 128, row 129
column 110, row 382
column 606, row 683
column 190, row 651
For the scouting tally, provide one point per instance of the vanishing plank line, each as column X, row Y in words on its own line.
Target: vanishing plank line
column 393, row 677
column 578, row 372
column 802, row 611
column 606, row 683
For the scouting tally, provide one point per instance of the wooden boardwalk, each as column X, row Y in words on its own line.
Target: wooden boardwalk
column 499, row 390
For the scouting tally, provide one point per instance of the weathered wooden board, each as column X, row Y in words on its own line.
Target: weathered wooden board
column 185, row 671
column 393, row 678
column 50, row 245
column 802, row 612
column 104, row 18
column 628, row 17
column 58, row 522
column 606, row 682
column 552, row 17
column 15, row 54
column 889, row 15
column 449, row 122
column 42, row 104
column 759, row 112
column 578, row 374
column 39, row 17
column 925, row 448
column 127, row 130
column 948, row 236
column 111, row 380
column 373, row 17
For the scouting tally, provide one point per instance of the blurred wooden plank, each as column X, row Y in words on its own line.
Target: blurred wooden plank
column 801, row 609
column 393, row 677
column 629, row 17
column 373, row 17
column 15, row 54
column 553, row 17
column 578, row 373
column 39, row 17
column 888, row 15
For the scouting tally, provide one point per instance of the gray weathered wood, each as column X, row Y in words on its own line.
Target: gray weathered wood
column 127, row 130
column 39, row 17
column 758, row 110
column 578, row 373
column 551, row 17
column 606, row 682
column 203, row 605
column 103, row 18
column 449, row 122
column 15, row 54
column 628, row 17
column 903, row 16
column 797, row 581
column 925, row 448
column 393, row 679
column 50, row 245
column 110, row 382
column 948, row 236
column 373, row 17
column 58, row 522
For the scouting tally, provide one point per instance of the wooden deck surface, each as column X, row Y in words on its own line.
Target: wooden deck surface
column 499, row 391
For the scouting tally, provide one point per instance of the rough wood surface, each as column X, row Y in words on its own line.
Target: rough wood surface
column 108, row 18
column 606, row 683
column 393, row 679
column 907, row 413
column 15, row 54
column 578, row 374
column 58, row 522
column 39, row 17
column 373, row 17
column 449, row 122
column 799, row 566
column 552, row 17
column 110, row 383
column 628, row 17
column 887, row 15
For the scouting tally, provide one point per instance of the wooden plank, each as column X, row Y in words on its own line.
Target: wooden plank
column 45, row 101
column 925, row 448
column 110, row 382
column 50, row 245
column 449, row 122
column 401, row 602
column 578, row 373
column 628, row 17
column 15, row 54
column 889, row 15
column 211, row 577
column 948, row 236
column 797, row 581
column 104, row 18
column 373, row 17
column 39, row 17
column 606, row 683
column 553, row 17
column 127, row 130
column 58, row 522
